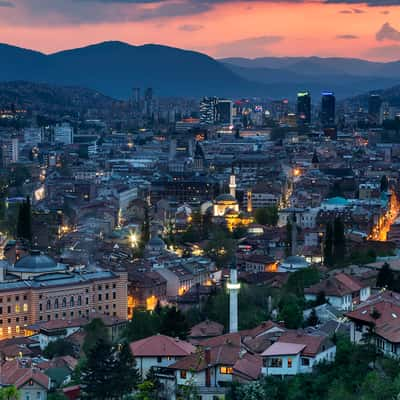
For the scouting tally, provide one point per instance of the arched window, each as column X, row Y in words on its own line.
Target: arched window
column 56, row 305
column 64, row 302
column 48, row 305
column 72, row 302
column 79, row 300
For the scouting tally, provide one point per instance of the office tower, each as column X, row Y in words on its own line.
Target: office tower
column 33, row 136
column 208, row 110
column 328, row 108
column 9, row 151
column 375, row 109
column 149, row 103
column 63, row 133
column 135, row 101
column 224, row 112
column 304, row 108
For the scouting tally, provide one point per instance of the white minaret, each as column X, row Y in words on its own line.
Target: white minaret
column 233, row 287
column 232, row 184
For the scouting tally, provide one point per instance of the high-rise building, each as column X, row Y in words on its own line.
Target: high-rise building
column 9, row 151
column 149, row 103
column 135, row 101
column 304, row 107
column 208, row 110
column 375, row 109
column 224, row 112
column 328, row 108
column 63, row 133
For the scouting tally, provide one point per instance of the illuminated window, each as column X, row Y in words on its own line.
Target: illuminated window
column 17, row 308
column 25, row 307
column 17, row 329
column 289, row 363
column 9, row 330
column 183, row 374
column 275, row 363
column 225, row 370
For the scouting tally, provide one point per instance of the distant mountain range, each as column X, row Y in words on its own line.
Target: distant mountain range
column 114, row 68
column 344, row 76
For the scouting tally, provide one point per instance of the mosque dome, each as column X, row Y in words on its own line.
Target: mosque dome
column 225, row 198
column 36, row 262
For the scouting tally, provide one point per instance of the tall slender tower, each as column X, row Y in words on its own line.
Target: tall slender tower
column 249, row 201
column 233, row 286
column 232, row 184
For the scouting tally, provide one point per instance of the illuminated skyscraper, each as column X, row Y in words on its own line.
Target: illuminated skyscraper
column 328, row 105
column 304, row 107
column 208, row 110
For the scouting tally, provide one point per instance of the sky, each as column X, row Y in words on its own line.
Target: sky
column 220, row 28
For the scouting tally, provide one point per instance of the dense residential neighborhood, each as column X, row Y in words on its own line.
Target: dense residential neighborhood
column 206, row 248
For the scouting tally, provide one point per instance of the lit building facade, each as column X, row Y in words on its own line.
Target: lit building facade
column 37, row 289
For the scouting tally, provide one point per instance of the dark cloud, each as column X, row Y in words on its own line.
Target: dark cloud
column 7, row 4
column 191, row 27
column 347, row 37
column 387, row 32
column 249, row 47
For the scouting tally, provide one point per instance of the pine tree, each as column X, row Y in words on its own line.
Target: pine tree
column 24, row 221
column 98, row 374
column 339, row 241
column 385, row 277
column 126, row 375
column 384, row 183
column 174, row 323
column 328, row 246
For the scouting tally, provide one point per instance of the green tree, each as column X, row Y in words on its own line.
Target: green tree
column 312, row 320
column 220, row 248
column 98, row 373
column 95, row 331
column 291, row 313
column 339, row 241
column 24, row 222
column 58, row 348
column 126, row 375
column 9, row 393
column 385, row 277
column 266, row 216
column 142, row 325
column 146, row 391
column 174, row 323
column 328, row 246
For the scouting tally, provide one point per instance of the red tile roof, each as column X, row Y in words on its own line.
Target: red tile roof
column 207, row 329
column 13, row 373
column 384, row 314
column 338, row 285
column 161, row 346
column 313, row 344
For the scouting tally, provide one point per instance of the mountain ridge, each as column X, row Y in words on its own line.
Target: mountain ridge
column 115, row 67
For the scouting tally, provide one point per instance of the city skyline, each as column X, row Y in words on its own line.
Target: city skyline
column 218, row 28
